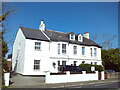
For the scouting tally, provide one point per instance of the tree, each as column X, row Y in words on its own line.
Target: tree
column 111, row 59
column 3, row 44
column 107, row 41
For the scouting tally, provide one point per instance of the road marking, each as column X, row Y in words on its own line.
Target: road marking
column 100, row 84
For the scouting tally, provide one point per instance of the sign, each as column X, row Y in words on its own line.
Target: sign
column 92, row 68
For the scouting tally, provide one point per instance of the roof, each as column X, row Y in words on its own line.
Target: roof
column 55, row 36
column 35, row 34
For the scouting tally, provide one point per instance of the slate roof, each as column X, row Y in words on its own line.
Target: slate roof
column 35, row 34
column 55, row 36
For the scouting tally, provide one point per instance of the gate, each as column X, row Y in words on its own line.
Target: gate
column 99, row 75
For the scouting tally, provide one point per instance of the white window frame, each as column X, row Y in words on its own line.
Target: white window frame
column 72, row 36
column 83, row 51
column 58, row 48
column 64, row 49
column 75, row 50
column 64, row 63
column 37, row 46
column 91, row 52
column 36, row 64
column 79, row 38
column 95, row 52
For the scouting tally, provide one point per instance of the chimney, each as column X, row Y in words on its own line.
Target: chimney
column 86, row 35
column 42, row 26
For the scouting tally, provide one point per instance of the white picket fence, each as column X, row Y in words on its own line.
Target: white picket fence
column 72, row 77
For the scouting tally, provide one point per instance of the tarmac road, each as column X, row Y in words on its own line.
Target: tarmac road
column 101, row 85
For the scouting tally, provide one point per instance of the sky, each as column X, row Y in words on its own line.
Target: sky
column 77, row 17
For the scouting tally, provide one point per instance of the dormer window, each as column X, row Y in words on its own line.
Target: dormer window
column 80, row 38
column 72, row 36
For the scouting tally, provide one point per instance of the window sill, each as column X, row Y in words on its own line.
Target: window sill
column 37, row 50
column 36, row 70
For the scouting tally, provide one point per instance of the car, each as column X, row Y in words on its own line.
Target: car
column 109, row 71
column 69, row 68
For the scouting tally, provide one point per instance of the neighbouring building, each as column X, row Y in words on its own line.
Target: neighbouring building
column 37, row 51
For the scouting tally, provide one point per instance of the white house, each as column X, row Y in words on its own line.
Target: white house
column 35, row 51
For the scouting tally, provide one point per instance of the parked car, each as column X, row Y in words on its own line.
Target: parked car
column 109, row 71
column 70, row 68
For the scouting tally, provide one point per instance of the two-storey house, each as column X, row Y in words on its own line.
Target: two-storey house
column 37, row 51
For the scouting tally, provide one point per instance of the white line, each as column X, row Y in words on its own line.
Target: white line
column 100, row 84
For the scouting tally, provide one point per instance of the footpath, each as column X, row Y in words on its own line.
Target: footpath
column 67, row 85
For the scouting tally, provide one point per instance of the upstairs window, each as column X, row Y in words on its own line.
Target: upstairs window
column 95, row 52
column 74, row 50
column 63, row 48
column 91, row 52
column 83, row 50
column 80, row 38
column 38, row 46
column 59, row 48
column 72, row 36
column 36, row 64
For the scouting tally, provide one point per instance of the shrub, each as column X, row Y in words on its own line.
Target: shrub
column 87, row 67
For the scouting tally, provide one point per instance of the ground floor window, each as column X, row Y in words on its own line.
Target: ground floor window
column 83, row 62
column 36, row 64
column 75, row 63
column 58, row 63
column 64, row 63
column 95, row 63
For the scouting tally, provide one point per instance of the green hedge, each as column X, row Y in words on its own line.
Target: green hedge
column 87, row 67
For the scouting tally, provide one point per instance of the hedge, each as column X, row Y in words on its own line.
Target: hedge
column 87, row 67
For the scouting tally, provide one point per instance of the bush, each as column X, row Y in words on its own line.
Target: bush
column 87, row 67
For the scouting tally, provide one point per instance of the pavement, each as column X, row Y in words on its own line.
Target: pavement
column 20, row 81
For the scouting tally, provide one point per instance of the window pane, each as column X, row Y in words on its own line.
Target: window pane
column 58, row 48
column 64, row 48
column 63, row 63
column 91, row 51
column 72, row 36
column 36, row 64
column 95, row 51
column 37, row 45
column 83, row 50
column 58, row 63
column 74, row 49
column 79, row 37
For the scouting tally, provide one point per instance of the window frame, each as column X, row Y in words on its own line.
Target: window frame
column 83, row 50
column 64, row 49
column 36, row 65
column 72, row 36
column 58, row 48
column 75, row 50
column 95, row 52
column 91, row 52
column 37, row 46
column 80, row 38
column 63, row 64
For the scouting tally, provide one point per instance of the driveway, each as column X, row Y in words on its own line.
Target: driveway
column 19, row 80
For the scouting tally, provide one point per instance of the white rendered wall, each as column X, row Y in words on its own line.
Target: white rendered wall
column 31, row 54
column 70, row 77
column 70, row 57
column 18, row 52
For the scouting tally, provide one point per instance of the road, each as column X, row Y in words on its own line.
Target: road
column 101, row 85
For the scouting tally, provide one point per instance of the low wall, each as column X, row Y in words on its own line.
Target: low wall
column 70, row 77
column 113, row 74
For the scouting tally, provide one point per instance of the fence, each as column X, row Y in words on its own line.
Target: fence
column 72, row 77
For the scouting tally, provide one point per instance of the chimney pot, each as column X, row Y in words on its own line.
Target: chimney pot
column 86, row 35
